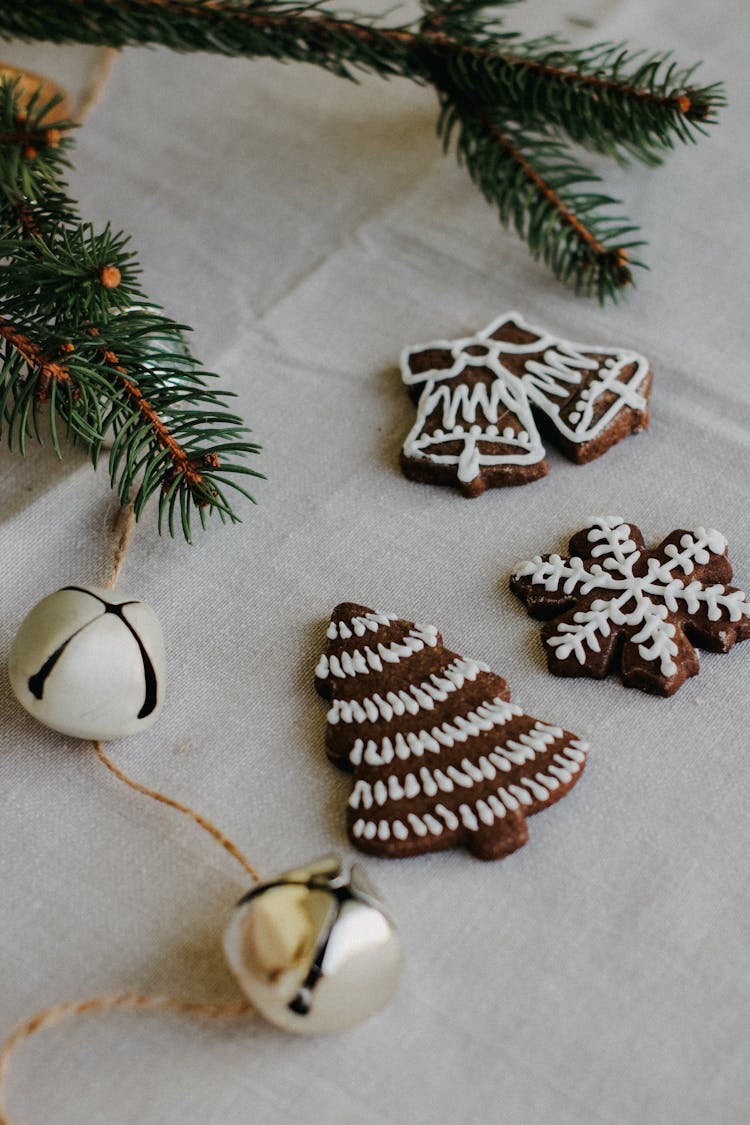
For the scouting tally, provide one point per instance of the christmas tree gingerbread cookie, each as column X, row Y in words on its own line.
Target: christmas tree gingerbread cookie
column 440, row 757
column 482, row 401
column 613, row 602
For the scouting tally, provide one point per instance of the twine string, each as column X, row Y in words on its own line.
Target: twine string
column 94, row 88
column 202, row 821
column 132, row 1001
column 124, row 526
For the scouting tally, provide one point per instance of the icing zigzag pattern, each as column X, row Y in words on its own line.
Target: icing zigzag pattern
column 440, row 758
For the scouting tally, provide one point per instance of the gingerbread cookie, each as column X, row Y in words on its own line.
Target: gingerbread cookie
column 440, row 757
column 481, row 399
column 613, row 603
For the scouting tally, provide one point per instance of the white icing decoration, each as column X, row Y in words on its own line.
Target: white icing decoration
column 544, row 383
column 642, row 602
column 451, row 820
column 358, row 626
column 485, row 812
column 469, row 774
column 358, row 661
column 521, row 794
column 409, row 774
column 509, row 801
column 460, row 778
column 467, row 818
column 412, row 788
column 505, row 394
column 437, row 689
column 559, row 771
column 577, row 750
column 538, row 791
column 483, row 718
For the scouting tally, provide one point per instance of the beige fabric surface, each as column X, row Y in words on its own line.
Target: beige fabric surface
column 309, row 229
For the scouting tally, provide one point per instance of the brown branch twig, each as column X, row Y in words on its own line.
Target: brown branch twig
column 680, row 103
column 585, row 236
column 48, row 369
column 183, row 464
column 26, row 218
column 45, row 136
column 428, row 39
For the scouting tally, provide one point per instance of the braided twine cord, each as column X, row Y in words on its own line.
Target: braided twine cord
column 130, row 1001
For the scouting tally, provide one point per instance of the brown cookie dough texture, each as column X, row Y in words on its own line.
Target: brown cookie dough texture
column 440, row 758
column 483, row 403
column 612, row 603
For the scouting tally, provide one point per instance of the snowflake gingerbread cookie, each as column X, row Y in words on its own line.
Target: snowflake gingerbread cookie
column 478, row 399
column 440, row 757
column 613, row 602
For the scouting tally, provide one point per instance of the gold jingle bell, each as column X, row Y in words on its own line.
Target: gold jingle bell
column 314, row 950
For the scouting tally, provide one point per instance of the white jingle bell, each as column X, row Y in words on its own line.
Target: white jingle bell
column 314, row 950
column 90, row 663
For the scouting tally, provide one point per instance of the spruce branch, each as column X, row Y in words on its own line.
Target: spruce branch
column 605, row 98
column 80, row 345
column 536, row 185
column 516, row 99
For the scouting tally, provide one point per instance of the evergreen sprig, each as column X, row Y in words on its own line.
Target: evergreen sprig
column 536, row 186
column 512, row 104
column 82, row 347
column 606, row 97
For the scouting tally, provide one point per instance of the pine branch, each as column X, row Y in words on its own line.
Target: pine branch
column 605, row 97
column 535, row 184
column 78, row 346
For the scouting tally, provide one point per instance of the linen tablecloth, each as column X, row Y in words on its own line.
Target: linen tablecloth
column 309, row 229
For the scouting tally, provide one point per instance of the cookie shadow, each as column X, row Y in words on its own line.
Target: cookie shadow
column 396, row 413
column 312, row 733
column 192, row 963
column 26, row 479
